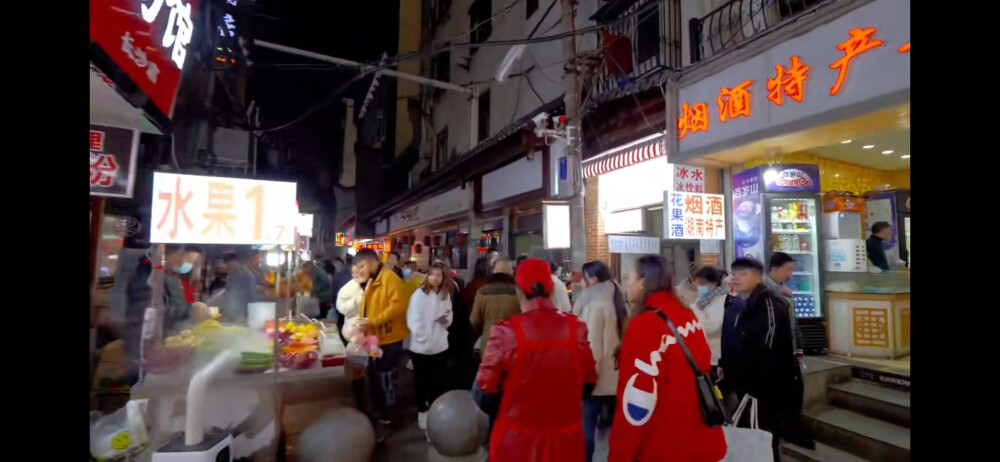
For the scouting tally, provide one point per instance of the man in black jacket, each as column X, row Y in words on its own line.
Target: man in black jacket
column 768, row 370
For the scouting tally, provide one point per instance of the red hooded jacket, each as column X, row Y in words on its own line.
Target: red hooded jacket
column 658, row 417
column 539, row 361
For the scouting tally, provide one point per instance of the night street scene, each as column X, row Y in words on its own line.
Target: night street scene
column 504, row 230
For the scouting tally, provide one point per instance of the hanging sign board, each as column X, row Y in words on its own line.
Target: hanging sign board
column 190, row 209
column 113, row 153
column 693, row 216
column 634, row 244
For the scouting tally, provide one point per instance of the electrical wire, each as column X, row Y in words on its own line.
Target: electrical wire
column 373, row 68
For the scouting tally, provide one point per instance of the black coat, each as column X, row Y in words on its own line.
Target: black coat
column 767, row 366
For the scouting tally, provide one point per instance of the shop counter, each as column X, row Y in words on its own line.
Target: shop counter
column 869, row 325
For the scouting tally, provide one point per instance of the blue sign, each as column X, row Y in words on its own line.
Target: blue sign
column 791, row 177
column 563, row 167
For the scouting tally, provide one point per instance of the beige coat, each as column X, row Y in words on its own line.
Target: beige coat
column 602, row 332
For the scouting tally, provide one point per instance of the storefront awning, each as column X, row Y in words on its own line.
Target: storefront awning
column 628, row 155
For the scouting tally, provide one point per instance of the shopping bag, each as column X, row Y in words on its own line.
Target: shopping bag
column 747, row 444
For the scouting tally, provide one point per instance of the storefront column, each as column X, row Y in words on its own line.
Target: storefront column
column 597, row 241
column 508, row 224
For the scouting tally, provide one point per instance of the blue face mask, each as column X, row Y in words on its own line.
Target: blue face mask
column 703, row 291
column 185, row 268
column 406, row 272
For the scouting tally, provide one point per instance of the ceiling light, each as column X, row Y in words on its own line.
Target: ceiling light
column 845, row 141
column 904, row 156
column 836, row 175
column 887, row 152
column 868, row 146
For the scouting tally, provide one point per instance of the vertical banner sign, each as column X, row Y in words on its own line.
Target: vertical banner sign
column 191, row 209
column 689, row 179
column 748, row 225
column 113, row 153
column 694, row 216
column 147, row 39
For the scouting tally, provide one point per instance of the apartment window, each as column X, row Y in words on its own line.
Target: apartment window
column 441, row 67
column 531, row 6
column 441, row 153
column 647, row 37
column 480, row 23
column 484, row 115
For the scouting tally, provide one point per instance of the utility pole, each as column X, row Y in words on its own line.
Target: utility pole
column 574, row 157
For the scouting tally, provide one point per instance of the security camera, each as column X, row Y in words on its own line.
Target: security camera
column 539, row 120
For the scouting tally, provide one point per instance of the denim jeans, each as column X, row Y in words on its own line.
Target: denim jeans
column 593, row 407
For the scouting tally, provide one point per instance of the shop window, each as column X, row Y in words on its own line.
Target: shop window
column 484, row 115
column 441, row 67
column 441, row 153
column 530, row 7
column 647, row 41
column 480, row 20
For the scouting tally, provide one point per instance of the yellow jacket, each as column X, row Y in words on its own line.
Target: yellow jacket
column 385, row 303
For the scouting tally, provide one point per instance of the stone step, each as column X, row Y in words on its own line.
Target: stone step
column 858, row 434
column 880, row 402
column 822, row 453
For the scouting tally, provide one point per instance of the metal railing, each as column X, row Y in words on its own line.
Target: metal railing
column 653, row 44
column 739, row 20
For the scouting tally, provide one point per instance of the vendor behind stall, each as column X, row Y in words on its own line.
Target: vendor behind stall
column 137, row 293
column 881, row 232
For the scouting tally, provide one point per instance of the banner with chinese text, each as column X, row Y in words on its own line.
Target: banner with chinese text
column 113, row 152
column 689, row 179
column 148, row 40
column 688, row 215
column 190, row 209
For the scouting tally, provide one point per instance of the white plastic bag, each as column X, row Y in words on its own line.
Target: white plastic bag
column 747, row 444
column 120, row 433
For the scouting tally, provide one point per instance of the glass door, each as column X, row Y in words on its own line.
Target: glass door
column 793, row 229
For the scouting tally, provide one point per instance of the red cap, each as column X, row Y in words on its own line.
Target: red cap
column 534, row 271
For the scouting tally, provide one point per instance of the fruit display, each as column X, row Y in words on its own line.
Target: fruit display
column 296, row 361
column 255, row 362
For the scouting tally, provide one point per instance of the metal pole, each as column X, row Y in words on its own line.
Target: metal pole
column 578, row 236
column 364, row 67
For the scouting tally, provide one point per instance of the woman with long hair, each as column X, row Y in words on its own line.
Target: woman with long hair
column 428, row 318
column 659, row 417
column 602, row 306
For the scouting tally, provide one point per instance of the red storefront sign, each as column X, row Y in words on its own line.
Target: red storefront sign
column 149, row 40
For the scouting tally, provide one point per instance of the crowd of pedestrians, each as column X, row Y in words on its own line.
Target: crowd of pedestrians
column 620, row 363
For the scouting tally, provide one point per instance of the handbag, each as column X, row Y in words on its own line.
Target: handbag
column 747, row 444
column 708, row 395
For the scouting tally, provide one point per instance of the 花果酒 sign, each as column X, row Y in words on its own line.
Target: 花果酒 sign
column 191, row 209
column 693, row 215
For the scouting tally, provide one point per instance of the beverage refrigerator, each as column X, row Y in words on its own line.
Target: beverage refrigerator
column 792, row 220
column 792, row 228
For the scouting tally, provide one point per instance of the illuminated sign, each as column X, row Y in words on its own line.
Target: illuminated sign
column 377, row 246
column 733, row 102
column 693, row 216
column 341, row 239
column 216, row 210
column 179, row 30
column 113, row 152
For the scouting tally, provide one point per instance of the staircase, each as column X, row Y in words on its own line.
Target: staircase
column 855, row 413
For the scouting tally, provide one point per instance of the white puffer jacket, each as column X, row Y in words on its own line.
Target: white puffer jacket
column 602, row 332
column 427, row 335
column 350, row 299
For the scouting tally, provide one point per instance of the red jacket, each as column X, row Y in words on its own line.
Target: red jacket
column 539, row 361
column 658, row 418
